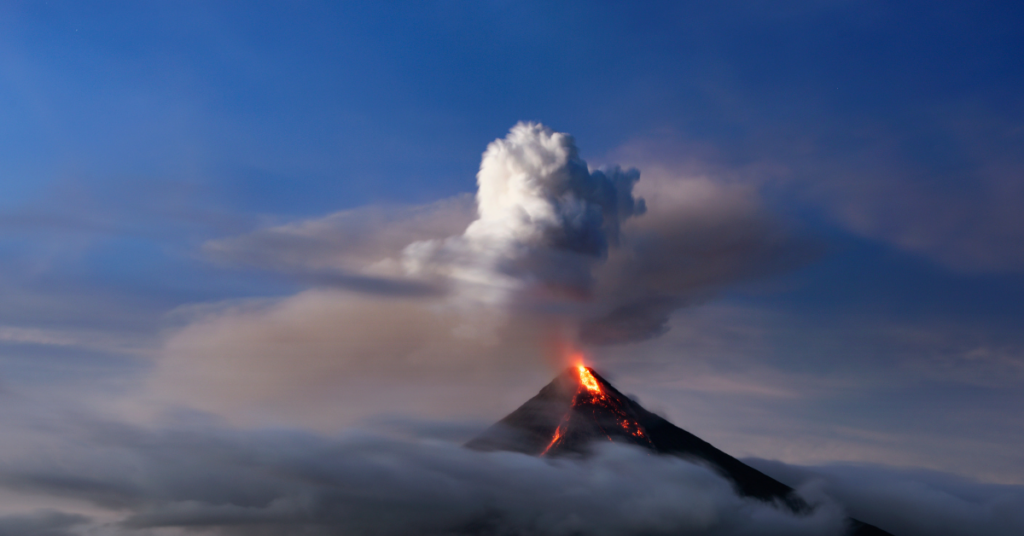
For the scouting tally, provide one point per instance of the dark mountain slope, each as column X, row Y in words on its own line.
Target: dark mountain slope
column 579, row 408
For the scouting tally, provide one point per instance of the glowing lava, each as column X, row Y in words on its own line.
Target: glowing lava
column 590, row 395
column 589, row 381
column 557, row 436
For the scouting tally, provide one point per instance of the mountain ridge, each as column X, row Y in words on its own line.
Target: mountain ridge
column 579, row 407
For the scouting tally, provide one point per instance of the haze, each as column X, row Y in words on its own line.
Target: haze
column 264, row 267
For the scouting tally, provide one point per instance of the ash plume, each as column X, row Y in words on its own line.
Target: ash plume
column 544, row 220
column 550, row 250
column 555, row 237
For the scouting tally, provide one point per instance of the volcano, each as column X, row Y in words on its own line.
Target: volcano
column 579, row 409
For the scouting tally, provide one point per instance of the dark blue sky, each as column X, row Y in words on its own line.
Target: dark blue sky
column 302, row 108
column 136, row 137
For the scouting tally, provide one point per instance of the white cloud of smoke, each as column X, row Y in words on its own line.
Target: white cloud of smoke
column 544, row 220
column 359, row 249
column 551, row 237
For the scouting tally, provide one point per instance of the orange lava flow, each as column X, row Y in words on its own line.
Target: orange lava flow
column 589, row 381
column 590, row 391
column 558, row 435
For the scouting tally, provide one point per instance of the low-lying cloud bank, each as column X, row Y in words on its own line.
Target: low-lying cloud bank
column 222, row 482
column 219, row 481
column 910, row 502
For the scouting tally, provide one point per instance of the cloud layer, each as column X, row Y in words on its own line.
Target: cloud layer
column 227, row 482
column 96, row 477
column 912, row 502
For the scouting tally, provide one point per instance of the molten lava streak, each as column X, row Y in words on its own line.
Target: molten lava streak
column 589, row 381
column 591, row 394
column 557, row 436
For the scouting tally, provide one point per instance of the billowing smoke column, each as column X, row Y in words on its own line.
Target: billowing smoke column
column 552, row 251
column 544, row 220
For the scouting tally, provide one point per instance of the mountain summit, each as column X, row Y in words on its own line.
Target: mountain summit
column 579, row 408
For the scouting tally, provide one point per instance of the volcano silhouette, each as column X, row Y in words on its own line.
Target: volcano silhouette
column 580, row 408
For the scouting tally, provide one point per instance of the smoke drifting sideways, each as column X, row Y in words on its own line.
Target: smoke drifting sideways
column 551, row 237
column 469, row 292
column 558, row 238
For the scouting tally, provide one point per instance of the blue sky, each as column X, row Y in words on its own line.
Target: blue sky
column 150, row 149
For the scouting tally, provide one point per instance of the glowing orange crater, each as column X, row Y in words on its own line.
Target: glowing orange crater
column 591, row 394
column 589, row 381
